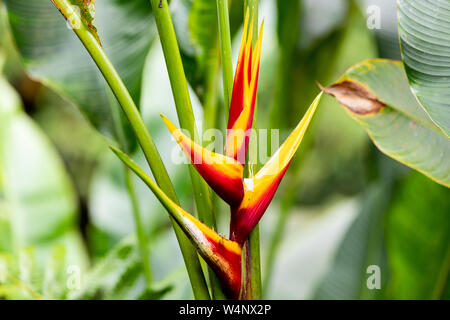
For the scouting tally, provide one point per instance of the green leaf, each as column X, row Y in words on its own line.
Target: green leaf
column 198, row 44
column 18, row 279
column 37, row 194
column 38, row 205
column 418, row 240
column 361, row 247
column 203, row 26
column 53, row 54
column 120, row 275
column 377, row 95
column 425, row 42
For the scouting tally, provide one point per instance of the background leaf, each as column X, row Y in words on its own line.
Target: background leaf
column 424, row 28
column 38, row 208
column 53, row 54
column 418, row 240
column 203, row 27
column 361, row 247
column 120, row 275
column 380, row 100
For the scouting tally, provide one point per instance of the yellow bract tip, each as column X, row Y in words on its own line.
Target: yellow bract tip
column 168, row 124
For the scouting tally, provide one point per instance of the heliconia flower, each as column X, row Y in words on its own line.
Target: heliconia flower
column 260, row 190
column 222, row 173
column 222, row 255
column 243, row 97
column 247, row 198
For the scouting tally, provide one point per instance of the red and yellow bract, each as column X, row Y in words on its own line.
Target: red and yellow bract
column 243, row 98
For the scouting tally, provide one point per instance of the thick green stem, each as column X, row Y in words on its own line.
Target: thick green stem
column 159, row 171
column 185, row 113
column 252, row 258
column 225, row 51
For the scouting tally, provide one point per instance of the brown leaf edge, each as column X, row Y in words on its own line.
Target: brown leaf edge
column 354, row 97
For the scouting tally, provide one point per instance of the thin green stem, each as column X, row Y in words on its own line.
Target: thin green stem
column 137, row 216
column 185, row 114
column 140, row 232
column 252, row 256
column 225, row 51
column 157, row 167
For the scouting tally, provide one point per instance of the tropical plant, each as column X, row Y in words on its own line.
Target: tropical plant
column 101, row 68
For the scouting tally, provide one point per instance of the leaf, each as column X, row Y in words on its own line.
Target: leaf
column 120, row 275
column 18, row 276
column 418, row 240
column 425, row 42
column 53, row 54
column 361, row 247
column 376, row 94
column 203, row 27
column 38, row 206
column 196, row 27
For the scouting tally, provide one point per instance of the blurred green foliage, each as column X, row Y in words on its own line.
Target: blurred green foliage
column 63, row 199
